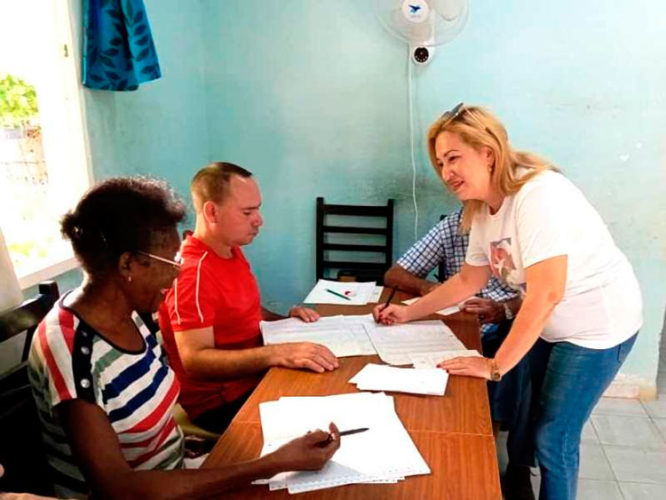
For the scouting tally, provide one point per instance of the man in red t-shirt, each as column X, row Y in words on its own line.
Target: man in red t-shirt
column 210, row 317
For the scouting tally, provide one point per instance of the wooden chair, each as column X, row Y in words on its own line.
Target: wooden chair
column 21, row 450
column 351, row 265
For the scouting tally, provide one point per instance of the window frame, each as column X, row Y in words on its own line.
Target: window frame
column 66, row 57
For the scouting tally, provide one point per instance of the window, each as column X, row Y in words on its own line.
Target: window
column 44, row 160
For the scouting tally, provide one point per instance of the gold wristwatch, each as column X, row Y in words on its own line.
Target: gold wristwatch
column 495, row 374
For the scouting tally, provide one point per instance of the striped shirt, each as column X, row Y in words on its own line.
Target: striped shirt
column 137, row 391
column 446, row 245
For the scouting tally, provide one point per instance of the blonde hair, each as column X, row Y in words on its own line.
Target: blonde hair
column 478, row 127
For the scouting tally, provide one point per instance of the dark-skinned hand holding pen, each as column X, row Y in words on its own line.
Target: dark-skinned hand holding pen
column 308, row 452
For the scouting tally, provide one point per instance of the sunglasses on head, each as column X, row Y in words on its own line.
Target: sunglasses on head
column 450, row 115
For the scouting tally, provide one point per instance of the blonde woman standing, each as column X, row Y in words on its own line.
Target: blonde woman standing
column 533, row 229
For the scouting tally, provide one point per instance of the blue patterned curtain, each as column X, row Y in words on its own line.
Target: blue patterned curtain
column 118, row 49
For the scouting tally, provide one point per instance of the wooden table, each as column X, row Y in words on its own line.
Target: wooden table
column 453, row 433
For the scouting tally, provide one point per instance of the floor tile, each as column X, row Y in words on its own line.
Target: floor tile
column 589, row 489
column 619, row 406
column 627, row 431
column 593, row 463
column 637, row 465
column 656, row 408
column 589, row 434
column 661, row 425
column 642, row 491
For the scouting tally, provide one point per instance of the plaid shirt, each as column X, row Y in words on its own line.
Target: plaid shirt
column 446, row 245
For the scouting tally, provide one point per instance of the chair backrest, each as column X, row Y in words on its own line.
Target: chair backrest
column 350, row 264
column 26, row 317
column 21, row 451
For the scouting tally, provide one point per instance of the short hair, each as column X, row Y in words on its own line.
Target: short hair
column 118, row 215
column 211, row 183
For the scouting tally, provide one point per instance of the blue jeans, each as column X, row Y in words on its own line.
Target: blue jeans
column 572, row 379
column 510, row 400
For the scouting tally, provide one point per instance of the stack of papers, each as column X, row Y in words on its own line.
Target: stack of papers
column 343, row 335
column 411, row 380
column 344, row 293
column 384, row 453
column 394, row 344
column 432, row 359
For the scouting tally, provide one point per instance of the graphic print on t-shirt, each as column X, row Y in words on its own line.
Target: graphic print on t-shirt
column 501, row 262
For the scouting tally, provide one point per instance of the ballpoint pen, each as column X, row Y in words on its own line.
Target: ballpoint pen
column 337, row 294
column 390, row 297
column 326, row 441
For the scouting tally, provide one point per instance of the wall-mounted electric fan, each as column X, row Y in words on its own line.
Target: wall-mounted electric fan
column 423, row 24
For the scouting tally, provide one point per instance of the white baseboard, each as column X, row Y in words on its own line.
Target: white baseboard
column 632, row 387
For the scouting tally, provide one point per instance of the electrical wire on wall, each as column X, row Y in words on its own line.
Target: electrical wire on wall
column 423, row 25
column 410, row 91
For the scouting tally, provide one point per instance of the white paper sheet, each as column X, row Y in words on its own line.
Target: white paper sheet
column 375, row 377
column 394, row 343
column 376, row 294
column 333, row 292
column 384, row 453
column 342, row 336
column 432, row 359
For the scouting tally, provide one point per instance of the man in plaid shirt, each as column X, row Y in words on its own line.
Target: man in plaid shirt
column 495, row 305
column 445, row 246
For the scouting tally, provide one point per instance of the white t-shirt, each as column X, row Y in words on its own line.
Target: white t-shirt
column 547, row 218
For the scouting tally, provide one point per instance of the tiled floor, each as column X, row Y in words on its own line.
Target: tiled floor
column 623, row 449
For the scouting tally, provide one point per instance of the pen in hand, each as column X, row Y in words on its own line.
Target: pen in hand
column 327, row 441
column 390, row 297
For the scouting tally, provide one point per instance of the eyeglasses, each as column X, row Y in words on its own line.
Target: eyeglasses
column 450, row 115
column 177, row 261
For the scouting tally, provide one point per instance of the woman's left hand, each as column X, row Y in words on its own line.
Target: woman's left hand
column 469, row 366
column 306, row 314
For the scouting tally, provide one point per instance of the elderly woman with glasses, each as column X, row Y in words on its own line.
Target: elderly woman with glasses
column 104, row 391
column 534, row 229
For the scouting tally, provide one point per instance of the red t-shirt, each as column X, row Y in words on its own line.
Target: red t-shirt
column 218, row 292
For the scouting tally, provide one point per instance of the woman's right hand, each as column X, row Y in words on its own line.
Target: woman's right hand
column 391, row 314
column 308, row 452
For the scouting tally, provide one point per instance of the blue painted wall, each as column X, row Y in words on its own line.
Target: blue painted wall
column 161, row 129
column 312, row 96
